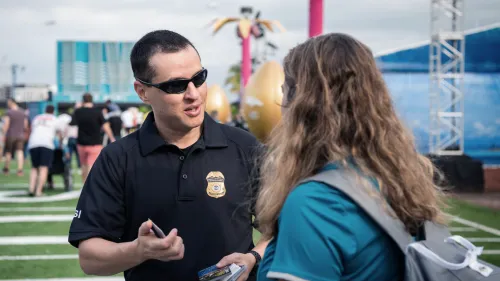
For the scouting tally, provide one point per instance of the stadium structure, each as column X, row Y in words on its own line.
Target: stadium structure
column 406, row 72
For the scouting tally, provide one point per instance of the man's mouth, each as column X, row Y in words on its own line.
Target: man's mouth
column 193, row 110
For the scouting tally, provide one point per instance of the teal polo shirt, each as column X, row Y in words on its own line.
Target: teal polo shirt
column 324, row 235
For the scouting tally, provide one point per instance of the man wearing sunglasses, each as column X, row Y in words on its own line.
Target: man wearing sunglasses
column 189, row 175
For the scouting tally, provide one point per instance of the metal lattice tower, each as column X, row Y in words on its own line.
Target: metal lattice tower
column 446, row 69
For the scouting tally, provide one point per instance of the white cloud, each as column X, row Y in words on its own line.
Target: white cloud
column 486, row 131
column 497, row 121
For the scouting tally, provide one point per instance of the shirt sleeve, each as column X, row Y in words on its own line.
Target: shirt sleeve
column 312, row 230
column 100, row 211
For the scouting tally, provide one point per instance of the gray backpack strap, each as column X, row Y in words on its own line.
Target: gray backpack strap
column 347, row 183
column 435, row 231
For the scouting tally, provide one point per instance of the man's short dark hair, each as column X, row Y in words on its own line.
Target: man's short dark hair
column 49, row 109
column 87, row 98
column 159, row 41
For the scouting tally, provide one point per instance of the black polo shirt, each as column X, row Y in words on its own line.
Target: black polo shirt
column 206, row 192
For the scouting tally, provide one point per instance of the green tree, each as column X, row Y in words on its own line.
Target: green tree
column 233, row 78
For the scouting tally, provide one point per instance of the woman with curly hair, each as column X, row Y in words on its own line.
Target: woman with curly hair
column 338, row 114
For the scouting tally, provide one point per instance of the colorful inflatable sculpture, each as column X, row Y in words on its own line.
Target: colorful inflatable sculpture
column 246, row 27
column 262, row 103
column 217, row 101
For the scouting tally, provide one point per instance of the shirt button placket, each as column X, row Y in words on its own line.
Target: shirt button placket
column 184, row 176
column 184, row 190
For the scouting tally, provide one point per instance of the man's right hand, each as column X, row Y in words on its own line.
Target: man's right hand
column 165, row 249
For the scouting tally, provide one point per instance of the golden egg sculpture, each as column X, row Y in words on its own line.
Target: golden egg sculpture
column 263, row 95
column 217, row 100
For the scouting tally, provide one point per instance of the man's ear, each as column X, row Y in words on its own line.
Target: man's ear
column 141, row 92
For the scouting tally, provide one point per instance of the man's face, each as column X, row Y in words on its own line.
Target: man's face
column 183, row 111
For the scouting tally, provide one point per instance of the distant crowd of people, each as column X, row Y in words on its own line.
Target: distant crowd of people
column 80, row 133
column 52, row 142
column 237, row 120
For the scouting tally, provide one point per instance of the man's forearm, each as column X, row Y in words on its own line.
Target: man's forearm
column 103, row 258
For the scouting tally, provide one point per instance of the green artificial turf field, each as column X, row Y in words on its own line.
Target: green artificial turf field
column 22, row 256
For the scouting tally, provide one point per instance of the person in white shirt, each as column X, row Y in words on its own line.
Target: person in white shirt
column 132, row 118
column 41, row 147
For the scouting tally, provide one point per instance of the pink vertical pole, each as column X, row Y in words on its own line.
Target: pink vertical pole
column 246, row 66
column 315, row 17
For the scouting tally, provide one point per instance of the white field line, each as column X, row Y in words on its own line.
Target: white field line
column 14, row 185
column 491, row 252
column 484, row 239
column 38, row 257
column 71, row 279
column 34, row 240
column 5, row 197
column 36, row 218
column 36, row 209
column 477, row 225
column 463, row 229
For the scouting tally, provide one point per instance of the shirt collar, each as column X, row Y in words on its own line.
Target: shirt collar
column 150, row 139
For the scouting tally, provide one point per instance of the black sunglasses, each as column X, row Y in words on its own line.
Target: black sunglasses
column 179, row 86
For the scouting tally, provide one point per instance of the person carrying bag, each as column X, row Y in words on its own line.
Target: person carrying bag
column 435, row 255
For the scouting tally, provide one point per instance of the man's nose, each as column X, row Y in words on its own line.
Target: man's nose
column 192, row 92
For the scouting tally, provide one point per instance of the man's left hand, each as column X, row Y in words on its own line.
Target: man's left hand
column 240, row 259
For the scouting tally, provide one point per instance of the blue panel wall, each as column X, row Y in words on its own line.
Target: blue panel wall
column 101, row 68
column 410, row 92
column 406, row 74
column 481, row 55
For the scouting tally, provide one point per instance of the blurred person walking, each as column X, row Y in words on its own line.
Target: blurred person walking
column 72, row 135
column 41, row 148
column 238, row 121
column 2, row 136
column 112, row 114
column 15, row 126
column 90, row 120
column 131, row 119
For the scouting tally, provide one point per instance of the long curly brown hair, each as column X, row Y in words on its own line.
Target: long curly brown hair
column 338, row 107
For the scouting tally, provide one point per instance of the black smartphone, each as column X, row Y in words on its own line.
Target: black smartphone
column 158, row 232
